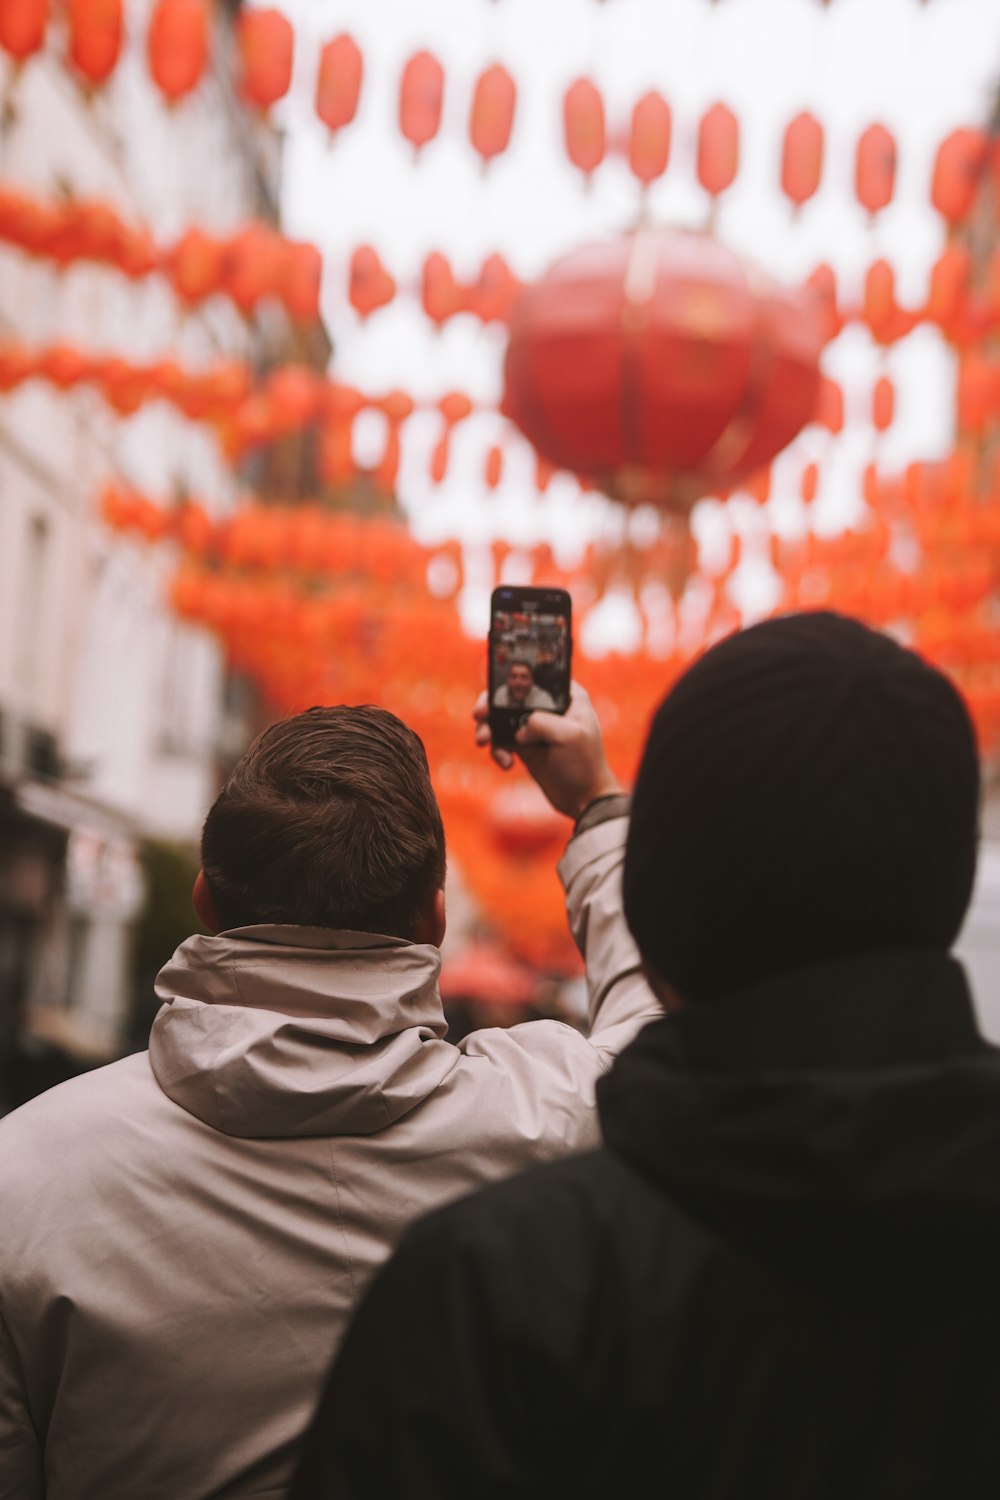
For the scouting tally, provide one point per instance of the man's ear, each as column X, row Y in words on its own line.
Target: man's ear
column 431, row 927
column 201, row 900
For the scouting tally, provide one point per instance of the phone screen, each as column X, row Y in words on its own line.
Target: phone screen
column 530, row 652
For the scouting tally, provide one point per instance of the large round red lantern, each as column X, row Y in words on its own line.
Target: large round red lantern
column 96, row 30
column 266, row 43
column 177, row 46
column 659, row 366
column 338, row 83
column 22, row 27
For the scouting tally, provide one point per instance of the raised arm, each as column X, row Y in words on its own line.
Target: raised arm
column 564, row 753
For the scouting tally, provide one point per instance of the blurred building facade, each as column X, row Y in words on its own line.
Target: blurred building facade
column 113, row 715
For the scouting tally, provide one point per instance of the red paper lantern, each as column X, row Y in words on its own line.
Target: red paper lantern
column 659, row 367
column 948, row 291
column 22, row 27
column 718, row 149
column 823, row 284
column 265, row 42
column 802, row 158
column 493, row 467
column 492, row 116
column 195, row 266
column 959, row 169
column 177, row 46
column 300, row 281
column 583, row 125
column 371, row 286
column 96, row 31
column 338, row 83
column 883, row 403
column 253, row 266
column 421, row 91
column 441, row 294
column 649, row 137
column 875, row 168
column 495, row 292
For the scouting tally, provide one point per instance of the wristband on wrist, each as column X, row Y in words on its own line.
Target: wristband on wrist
column 602, row 810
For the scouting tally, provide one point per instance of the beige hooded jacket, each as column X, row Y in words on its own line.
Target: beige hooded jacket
column 184, row 1234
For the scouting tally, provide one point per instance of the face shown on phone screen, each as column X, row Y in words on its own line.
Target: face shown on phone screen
column 530, row 648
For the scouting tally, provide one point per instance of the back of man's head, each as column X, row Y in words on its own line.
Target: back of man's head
column 329, row 820
column 809, row 791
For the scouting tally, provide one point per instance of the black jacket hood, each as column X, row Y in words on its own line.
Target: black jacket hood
column 841, row 1123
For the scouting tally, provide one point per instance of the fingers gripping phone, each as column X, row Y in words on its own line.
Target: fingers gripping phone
column 530, row 654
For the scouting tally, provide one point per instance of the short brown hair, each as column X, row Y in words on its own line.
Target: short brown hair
column 329, row 820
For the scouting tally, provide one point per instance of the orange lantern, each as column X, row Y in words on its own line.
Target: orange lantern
column 823, row 285
column 177, row 46
column 96, row 31
column 875, row 168
column 421, row 91
column 651, row 385
column 195, row 266
column 948, row 291
column 649, row 137
column 294, row 395
column 880, row 300
column 64, row 366
column 809, row 483
column 495, row 292
column 976, row 403
column 22, row 27
column 883, row 403
column 300, row 280
column 802, row 158
column 265, row 43
column 99, row 231
column 493, row 467
column 441, row 294
column 830, row 405
column 718, row 149
column 959, row 168
column 338, row 82
column 370, row 285
column 253, row 266
column 583, row 125
column 492, row 116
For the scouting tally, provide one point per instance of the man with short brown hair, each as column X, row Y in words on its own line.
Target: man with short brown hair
column 186, row 1232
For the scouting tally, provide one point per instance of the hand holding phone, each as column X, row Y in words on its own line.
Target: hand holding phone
column 530, row 651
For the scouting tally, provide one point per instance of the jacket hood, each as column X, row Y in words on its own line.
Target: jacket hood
column 298, row 1031
column 841, row 1122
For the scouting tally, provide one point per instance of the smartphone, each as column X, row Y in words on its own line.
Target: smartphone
column 530, row 653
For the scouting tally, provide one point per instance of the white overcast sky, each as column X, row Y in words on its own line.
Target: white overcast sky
column 920, row 68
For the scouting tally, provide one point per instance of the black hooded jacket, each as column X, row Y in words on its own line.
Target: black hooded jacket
column 779, row 1278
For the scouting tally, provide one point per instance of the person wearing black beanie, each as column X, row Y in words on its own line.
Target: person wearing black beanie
column 809, row 790
column 778, row 1276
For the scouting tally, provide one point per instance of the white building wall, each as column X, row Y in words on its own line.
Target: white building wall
column 88, row 649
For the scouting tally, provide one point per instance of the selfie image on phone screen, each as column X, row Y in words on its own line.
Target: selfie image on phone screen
column 530, row 649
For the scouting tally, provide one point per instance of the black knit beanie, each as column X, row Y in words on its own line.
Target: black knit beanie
column 809, row 791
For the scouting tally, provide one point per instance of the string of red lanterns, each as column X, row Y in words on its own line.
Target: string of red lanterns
column 178, row 44
column 255, row 264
